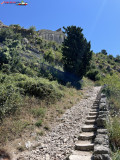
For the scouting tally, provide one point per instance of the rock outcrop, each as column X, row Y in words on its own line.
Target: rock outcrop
column 57, row 36
column 2, row 25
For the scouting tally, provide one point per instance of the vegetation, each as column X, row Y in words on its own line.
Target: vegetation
column 76, row 51
column 105, row 69
column 31, row 96
column 112, row 90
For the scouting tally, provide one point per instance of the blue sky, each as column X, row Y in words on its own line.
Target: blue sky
column 100, row 19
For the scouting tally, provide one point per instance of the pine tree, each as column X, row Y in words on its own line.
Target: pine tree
column 76, row 51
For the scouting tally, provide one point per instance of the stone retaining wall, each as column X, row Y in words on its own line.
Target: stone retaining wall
column 101, row 143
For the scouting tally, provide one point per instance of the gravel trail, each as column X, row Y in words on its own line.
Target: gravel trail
column 59, row 142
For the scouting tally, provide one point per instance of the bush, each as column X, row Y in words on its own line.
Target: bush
column 13, row 86
column 39, row 87
column 49, row 56
column 112, row 90
column 38, row 123
column 93, row 74
column 38, row 112
column 10, row 99
column 116, row 155
column 114, row 132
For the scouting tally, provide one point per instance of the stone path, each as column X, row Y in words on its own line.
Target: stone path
column 86, row 139
column 59, row 143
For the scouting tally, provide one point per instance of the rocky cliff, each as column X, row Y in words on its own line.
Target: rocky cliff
column 2, row 25
column 57, row 36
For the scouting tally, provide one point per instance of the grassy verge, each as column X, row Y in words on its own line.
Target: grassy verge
column 37, row 115
column 112, row 90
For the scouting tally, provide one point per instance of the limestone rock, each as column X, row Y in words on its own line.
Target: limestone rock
column 57, row 36
column 99, row 149
column 25, row 41
column 2, row 25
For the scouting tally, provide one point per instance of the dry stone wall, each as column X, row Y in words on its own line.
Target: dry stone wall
column 101, row 142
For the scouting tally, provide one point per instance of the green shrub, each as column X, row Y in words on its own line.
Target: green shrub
column 116, row 155
column 38, row 123
column 100, row 66
column 49, row 56
column 10, row 99
column 41, row 88
column 93, row 74
column 38, row 112
column 68, row 84
column 114, row 132
column 112, row 90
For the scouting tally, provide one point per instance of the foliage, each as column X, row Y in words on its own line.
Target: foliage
column 38, row 112
column 110, row 56
column 76, row 51
column 41, row 88
column 112, row 90
column 10, row 98
column 103, row 51
column 49, row 55
column 114, row 132
column 32, row 29
column 117, row 59
column 38, row 123
column 8, row 33
column 93, row 74
column 4, row 56
column 14, row 86
column 116, row 155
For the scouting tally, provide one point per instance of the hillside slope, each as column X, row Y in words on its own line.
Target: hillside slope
column 34, row 89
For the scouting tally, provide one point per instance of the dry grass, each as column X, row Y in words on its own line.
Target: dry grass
column 21, row 126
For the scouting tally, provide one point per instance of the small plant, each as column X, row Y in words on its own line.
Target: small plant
column 40, row 133
column 38, row 123
column 68, row 84
column 93, row 74
column 21, row 148
column 38, row 112
column 114, row 132
column 46, row 127
column 60, row 111
column 116, row 155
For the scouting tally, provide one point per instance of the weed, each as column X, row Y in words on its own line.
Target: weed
column 60, row 111
column 40, row 133
column 38, row 112
column 116, row 155
column 21, row 148
column 46, row 127
column 38, row 123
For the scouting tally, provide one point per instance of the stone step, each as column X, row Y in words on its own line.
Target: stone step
column 84, row 146
column 97, row 100
column 89, row 128
column 92, row 117
column 86, row 136
column 93, row 113
column 96, row 103
column 81, row 153
column 79, row 157
column 93, row 121
column 94, row 110
column 95, row 107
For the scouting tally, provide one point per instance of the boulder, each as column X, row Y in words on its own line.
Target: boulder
column 25, row 41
